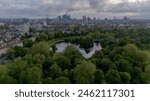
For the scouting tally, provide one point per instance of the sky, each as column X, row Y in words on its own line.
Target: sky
column 76, row 8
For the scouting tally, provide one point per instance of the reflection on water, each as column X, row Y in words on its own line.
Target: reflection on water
column 87, row 53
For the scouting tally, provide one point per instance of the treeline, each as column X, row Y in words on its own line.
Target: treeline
column 75, row 34
column 122, row 36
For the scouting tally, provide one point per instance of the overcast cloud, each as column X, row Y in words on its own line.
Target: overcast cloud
column 76, row 8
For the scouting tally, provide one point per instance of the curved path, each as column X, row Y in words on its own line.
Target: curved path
column 55, row 42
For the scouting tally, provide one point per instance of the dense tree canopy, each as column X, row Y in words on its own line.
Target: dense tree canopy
column 124, row 58
column 84, row 72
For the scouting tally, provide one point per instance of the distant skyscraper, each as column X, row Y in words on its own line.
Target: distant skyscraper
column 59, row 18
column 115, row 18
column 106, row 19
column 125, row 18
column 94, row 18
column 88, row 18
column 84, row 18
column 66, row 17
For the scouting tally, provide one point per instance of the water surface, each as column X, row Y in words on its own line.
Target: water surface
column 87, row 53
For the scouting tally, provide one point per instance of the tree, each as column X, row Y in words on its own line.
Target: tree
column 48, row 62
column 20, row 51
column 39, row 59
column 134, row 55
column 84, row 72
column 16, row 67
column 28, row 58
column 130, row 52
column 28, row 43
column 4, row 76
column 116, row 51
column 86, row 42
column 137, row 76
column 62, row 61
column 51, row 35
column 99, row 76
column 55, row 71
column 42, row 37
column 40, row 48
column 66, row 73
column 113, row 66
column 130, row 49
column 10, row 53
column 17, row 51
column 97, row 57
column 142, row 56
column 72, row 53
column 124, row 41
column 72, row 76
column 48, row 80
column 125, row 77
column 32, row 76
column 105, row 63
column 112, row 76
column 98, row 54
column 124, row 66
column 62, row 80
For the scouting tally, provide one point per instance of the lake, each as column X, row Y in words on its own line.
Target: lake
column 87, row 53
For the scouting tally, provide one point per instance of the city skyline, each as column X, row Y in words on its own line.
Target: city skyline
column 76, row 8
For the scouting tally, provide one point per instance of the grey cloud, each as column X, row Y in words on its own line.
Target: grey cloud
column 98, row 3
column 137, row 7
column 33, row 8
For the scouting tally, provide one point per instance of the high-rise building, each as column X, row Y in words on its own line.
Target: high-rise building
column 59, row 18
column 84, row 18
column 125, row 18
column 66, row 17
column 115, row 18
